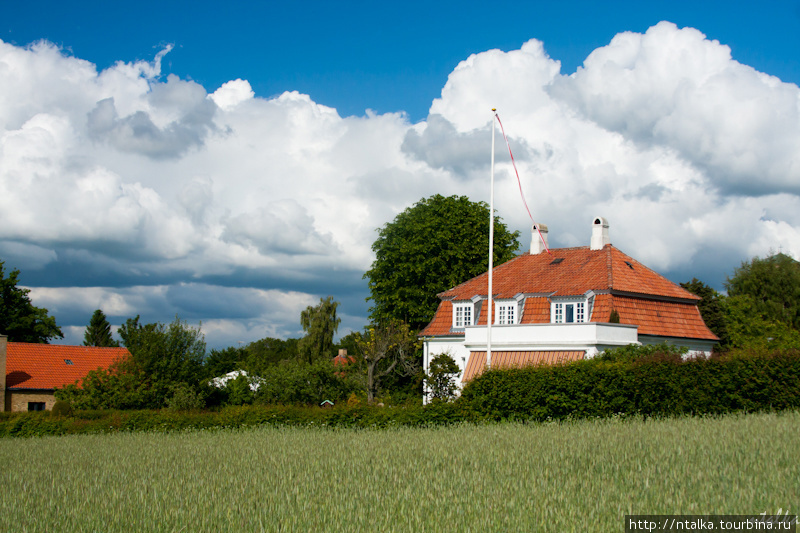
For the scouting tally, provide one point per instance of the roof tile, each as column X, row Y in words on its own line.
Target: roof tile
column 47, row 366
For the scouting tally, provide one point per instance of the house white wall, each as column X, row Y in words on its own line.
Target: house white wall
column 591, row 337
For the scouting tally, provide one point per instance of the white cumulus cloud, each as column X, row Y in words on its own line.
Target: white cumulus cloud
column 137, row 193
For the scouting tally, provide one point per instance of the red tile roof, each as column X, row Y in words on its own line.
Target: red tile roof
column 442, row 322
column 45, row 366
column 343, row 360
column 477, row 360
column 641, row 296
column 654, row 317
column 579, row 270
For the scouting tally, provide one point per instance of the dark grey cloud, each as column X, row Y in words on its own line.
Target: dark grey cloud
column 137, row 133
column 283, row 227
column 443, row 147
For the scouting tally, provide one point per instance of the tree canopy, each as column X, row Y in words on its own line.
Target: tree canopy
column 773, row 283
column 165, row 353
column 163, row 359
column 98, row 333
column 430, row 247
column 747, row 328
column 711, row 308
column 384, row 350
column 19, row 318
column 320, row 324
column 441, row 377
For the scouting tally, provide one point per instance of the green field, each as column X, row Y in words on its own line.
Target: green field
column 582, row 476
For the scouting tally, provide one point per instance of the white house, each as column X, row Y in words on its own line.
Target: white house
column 557, row 307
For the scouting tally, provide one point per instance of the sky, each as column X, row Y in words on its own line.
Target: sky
column 230, row 164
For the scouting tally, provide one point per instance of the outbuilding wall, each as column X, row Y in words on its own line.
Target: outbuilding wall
column 17, row 400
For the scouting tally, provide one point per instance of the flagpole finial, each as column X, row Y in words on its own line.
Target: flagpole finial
column 493, row 109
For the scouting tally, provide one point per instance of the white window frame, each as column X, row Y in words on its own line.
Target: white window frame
column 506, row 312
column 463, row 315
column 560, row 310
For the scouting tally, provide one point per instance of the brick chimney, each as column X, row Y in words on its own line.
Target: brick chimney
column 537, row 246
column 599, row 233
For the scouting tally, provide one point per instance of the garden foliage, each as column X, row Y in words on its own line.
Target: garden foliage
column 441, row 378
column 660, row 383
column 163, row 356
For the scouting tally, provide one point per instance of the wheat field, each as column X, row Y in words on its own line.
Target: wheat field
column 577, row 476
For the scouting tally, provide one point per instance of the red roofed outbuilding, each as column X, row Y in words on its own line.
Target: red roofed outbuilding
column 29, row 373
column 557, row 307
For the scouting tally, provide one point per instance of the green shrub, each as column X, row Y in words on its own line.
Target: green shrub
column 61, row 408
column 238, row 391
column 297, row 382
column 184, row 398
column 658, row 384
column 441, row 377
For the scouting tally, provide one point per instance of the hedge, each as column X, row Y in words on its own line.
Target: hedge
column 655, row 387
column 650, row 387
column 44, row 423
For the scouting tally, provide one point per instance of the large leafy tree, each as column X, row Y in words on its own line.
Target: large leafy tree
column 436, row 244
column 320, row 324
column 19, row 318
column 257, row 358
column 773, row 285
column 220, row 362
column 165, row 353
column 98, row 333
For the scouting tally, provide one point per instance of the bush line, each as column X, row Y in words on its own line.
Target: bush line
column 661, row 385
column 658, row 386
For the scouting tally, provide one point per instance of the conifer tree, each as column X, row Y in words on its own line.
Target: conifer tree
column 98, row 333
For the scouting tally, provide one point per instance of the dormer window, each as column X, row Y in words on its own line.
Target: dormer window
column 505, row 312
column 462, row 315
column 568, row 311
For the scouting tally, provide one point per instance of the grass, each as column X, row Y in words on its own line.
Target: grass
column 580, row 476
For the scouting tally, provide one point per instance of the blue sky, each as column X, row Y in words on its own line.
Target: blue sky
column 386, row 57
column 218, row 162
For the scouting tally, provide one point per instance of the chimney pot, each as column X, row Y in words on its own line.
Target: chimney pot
column 537, row 246
column 599, row 233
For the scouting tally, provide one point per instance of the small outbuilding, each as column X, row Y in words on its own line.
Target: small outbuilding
column 30, row 373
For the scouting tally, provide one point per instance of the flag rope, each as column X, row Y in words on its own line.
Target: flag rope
column 519, row 182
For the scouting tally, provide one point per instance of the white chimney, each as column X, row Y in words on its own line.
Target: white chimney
column 537, row 246
column 599, row 233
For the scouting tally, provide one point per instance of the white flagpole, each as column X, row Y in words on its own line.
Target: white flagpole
column 490, row 311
